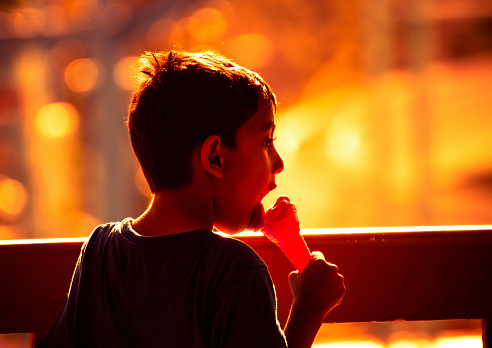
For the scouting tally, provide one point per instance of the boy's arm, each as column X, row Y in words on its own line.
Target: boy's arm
column 316, row 291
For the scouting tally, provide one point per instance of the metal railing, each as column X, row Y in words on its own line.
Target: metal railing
column 414, row 273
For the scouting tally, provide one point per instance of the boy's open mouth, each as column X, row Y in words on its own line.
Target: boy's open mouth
column 256, row 221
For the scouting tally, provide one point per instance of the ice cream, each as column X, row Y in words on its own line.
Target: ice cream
column 281, row 226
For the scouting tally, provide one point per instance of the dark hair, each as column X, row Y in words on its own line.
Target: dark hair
column 182, row 99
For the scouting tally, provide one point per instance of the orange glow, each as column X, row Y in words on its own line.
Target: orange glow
column 293, row 130
column 57, row 120
column 82, row 75
column 42, row 241
column 82, row 13
column 158, row 34
column 57, row 22
column 141, row 183
column 206, row 25
column 6, row 233
column 440, row 342
column 343, row 135
column 13, row 196
column 364, row 230
column 373, row 130
column 81, row 224
column 349, row 344
column 408, row 344
column 345, row 230
column 27, row 22
column 177, row 34
column 115, row 17
column 253, row 50
column 343, row 145
column 125, row 72
column 459, row 342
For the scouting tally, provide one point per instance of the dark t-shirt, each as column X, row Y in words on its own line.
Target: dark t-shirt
column 193, row 289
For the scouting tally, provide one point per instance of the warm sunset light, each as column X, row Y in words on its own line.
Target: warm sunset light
column 410, row 344
column 383, row 123
column 81, row 223
column 57, row 120
column 206, row 25
column 159, row 33
column 6, row 233
column 141, row 183
column 253, row 50
column 81, row 75
column 397, row 229
column 343, row 138
column 349, row 344
column 125, row 72
column 440, row 342
column 27, row 22
column 13, row 196
column 343, row 145
column 459, row 342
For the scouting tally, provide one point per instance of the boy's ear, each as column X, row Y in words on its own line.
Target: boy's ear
column 211, row 156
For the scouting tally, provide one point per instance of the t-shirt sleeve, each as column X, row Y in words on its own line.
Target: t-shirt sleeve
column 247, row 314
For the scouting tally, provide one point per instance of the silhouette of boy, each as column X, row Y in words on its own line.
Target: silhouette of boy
column 202, row 129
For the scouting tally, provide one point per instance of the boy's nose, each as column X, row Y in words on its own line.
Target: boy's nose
column 278, row 165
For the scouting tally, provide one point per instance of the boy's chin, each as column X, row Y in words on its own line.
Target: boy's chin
column 257, row 218
column 255, row 223
column 230, row 229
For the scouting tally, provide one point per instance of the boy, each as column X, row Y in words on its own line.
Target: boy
column 202, row 129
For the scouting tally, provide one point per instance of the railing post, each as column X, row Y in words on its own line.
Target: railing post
column 486, row 326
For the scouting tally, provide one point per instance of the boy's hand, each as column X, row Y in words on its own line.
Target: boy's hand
column 319, row 288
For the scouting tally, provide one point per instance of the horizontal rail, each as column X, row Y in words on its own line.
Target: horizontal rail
column 417, row 273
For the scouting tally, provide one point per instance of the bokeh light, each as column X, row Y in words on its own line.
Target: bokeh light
column 384, row 112
column 57, row 21
column 13, row 196
column 178, row 35
column 115, row 17
column 7, row 232
column 26, row 23
column 206, row 25
column 350, row 344
column 159, row 33
column 343, row 142
column 65, row 51
column 141, row 183
column 82, row 75
column 408, row 344
column 253, row 50
column 57, row 120
column 459, row 342
column 125, row 72
column 81, row 223
column 83, row 14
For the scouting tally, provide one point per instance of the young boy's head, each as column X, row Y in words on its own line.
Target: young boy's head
column 183, row 98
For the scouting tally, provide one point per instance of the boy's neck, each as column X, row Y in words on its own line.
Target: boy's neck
column 176, row 211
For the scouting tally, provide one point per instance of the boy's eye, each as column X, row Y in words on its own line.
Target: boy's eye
column 269, row 142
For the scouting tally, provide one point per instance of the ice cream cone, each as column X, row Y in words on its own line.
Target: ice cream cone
column 281, row 226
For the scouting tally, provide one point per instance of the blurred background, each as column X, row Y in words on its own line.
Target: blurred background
column 385, row 115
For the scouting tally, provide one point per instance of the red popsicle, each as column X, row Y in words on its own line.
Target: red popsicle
column 281, row 226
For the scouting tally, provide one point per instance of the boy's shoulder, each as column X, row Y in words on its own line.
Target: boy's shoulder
column 242, row 252
column 222, row 247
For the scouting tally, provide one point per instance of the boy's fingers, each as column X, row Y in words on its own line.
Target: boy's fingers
column 293, row 276
column 315, row 255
